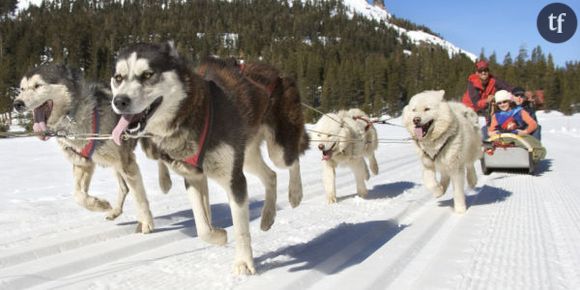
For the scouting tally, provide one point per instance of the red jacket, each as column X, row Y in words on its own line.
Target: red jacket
column 475, row 96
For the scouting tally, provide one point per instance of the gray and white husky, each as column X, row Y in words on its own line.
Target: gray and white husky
column 203, row 130
column 61, row 101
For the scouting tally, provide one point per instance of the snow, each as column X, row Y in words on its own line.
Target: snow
column 520, row 231
column 362, row 7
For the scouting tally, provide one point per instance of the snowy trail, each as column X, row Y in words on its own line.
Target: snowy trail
column 520, row 231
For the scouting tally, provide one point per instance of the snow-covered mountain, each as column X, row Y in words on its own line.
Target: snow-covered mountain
column 362, row 7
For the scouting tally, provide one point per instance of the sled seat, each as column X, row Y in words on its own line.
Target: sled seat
column 511, row 151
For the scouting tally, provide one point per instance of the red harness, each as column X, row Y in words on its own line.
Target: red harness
column 196, row 160
column 89, row 149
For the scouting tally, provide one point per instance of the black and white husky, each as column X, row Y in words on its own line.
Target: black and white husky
column 201, row 129
column 62, row 102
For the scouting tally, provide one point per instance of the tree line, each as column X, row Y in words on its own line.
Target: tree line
column 339, row 61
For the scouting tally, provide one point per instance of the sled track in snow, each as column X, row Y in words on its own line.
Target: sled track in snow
column 80, row 250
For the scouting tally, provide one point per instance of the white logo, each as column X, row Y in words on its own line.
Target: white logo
column 559, row 20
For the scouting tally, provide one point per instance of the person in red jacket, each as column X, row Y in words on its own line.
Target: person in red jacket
column 481, row 88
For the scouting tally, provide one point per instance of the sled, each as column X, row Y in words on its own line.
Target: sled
column 511, row 151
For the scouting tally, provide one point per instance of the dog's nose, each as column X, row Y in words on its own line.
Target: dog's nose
column 19, row 106
column 321, row 147
column 122, row 102
column 417, row 120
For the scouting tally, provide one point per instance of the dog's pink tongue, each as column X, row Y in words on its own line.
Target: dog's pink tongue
column 120, row 129
column 419, row 133
column 39, row 125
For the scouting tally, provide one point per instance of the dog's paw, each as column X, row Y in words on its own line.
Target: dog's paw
column 461, row 209
column 114, row 213
column 363, row 193
column 242, row 267
column 331, row 199
column 374, row 168
column 96, row 204
column 438, row 191
column 165, row 184
column 295, row 195
column 147, row 225
column 144, row 228
column 216, row 236
column 268, row 217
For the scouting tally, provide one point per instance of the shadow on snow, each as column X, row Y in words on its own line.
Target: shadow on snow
column 486, row 195
column 184, row 222
column 333, row 251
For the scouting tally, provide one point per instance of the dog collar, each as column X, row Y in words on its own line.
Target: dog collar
column 196, row 160
column 438, row 151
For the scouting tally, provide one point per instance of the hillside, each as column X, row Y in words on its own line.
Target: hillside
column 343, row 53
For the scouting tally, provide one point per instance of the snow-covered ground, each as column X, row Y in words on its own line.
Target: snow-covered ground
column 520, row 231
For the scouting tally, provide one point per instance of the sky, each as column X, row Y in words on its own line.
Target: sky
column 494, row 26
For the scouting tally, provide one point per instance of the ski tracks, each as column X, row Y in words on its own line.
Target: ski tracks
column 417, row 240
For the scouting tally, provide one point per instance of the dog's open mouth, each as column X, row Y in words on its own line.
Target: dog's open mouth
column 327, row 154
column 135, row 123
column 41, row 115
column 421, row 131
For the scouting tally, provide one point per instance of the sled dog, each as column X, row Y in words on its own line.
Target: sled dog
column 278, row 120
column 61, row 101
column 345, row 138
column 202, row 130
column 448, row 141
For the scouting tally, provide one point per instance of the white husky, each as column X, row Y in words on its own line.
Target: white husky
column 448, row 141
column 346, row 138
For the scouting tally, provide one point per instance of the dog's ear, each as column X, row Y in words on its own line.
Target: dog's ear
column 439, row 94
column 169, row 47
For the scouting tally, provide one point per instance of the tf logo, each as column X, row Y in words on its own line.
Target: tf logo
column 557, row 22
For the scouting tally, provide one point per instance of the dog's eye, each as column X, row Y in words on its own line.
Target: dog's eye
column 147, row 75
column 37, row 86
column 118, row 78
column 427, row 109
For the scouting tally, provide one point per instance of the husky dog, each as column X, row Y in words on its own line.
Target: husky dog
column 448, row 141
column 62, row 102
column 345, row 138
column 286, row 118
column 201, row 130
column 278, row 121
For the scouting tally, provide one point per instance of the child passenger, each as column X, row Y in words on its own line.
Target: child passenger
column 510, row 119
